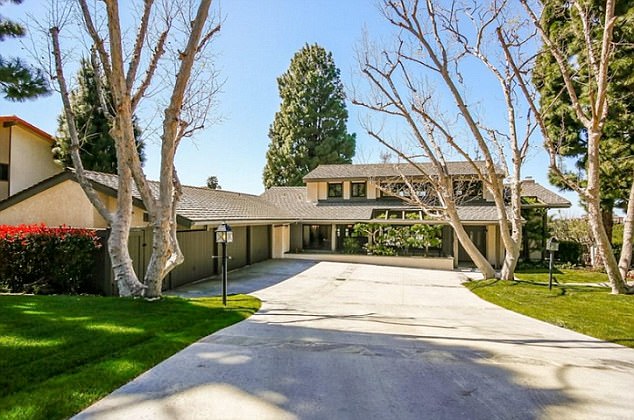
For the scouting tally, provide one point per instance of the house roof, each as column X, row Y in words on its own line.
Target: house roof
column 201, row 204
column 385, row 170
column 295, row 200
column 544, row 196
column 198, row 205
column 8, row 120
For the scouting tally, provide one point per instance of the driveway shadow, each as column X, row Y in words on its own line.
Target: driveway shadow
column 245, row 280
column 358, row 376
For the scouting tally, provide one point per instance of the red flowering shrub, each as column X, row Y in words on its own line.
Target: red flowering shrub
column 40, row 259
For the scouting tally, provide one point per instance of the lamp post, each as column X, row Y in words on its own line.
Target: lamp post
column 552, row 245
column 224, row 235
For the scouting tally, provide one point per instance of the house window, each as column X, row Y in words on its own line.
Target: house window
column 4, row 172
column 335, row 190
column 358, row 189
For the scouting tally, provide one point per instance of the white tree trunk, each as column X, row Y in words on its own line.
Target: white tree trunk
column 595, row 218
column 628, row 237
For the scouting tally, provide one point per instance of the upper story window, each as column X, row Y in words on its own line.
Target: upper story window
column 4, row 172
column 335, row 190
column 358, row 189
column 468, row 190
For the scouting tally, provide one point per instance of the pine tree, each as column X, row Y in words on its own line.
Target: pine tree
column 310, row 127
column 617, row 146
column 18, row 81
column 98, row 150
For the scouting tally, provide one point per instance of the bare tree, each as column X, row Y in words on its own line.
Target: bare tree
column 436, row 44
column 180, row 36
column 592, row 116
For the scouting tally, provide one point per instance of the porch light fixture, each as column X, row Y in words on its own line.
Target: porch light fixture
column 224, row 236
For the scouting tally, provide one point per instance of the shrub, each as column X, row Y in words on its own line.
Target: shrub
column 351, row 245
column 570, row 252
column 40, row 259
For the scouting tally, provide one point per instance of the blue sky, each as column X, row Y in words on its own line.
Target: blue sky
column 255, row 46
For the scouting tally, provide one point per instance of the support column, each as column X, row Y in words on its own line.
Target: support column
column 333, row 238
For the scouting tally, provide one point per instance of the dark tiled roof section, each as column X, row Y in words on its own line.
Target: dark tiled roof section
column 294, row 200
column 200, row 204
column 531, row 188
column 385, row 170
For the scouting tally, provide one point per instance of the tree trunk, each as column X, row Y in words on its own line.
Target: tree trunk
column 594, row 216
column 607, row 215
column 474, row 253
column 511, row 259
column 160, row 253
column 628, row 236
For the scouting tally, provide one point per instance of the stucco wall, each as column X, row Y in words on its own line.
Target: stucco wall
column 62, row 204
column 31, row 160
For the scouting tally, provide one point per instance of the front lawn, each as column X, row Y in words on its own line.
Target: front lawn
column 562, row 275
column 59, row 354
column 589, row 310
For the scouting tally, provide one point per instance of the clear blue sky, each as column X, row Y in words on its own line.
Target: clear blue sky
column 255, row 46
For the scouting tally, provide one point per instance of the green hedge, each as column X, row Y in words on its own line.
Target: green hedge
column 40, row 259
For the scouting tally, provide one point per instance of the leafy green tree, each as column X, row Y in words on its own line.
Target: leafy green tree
column 98, row 151
column 18, row 81
column 310, row 127
column 617, row 145
column 213, row 184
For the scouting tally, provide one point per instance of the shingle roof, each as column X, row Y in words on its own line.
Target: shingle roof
column 383, row 170
column 201, row 204
column 295, row 200
column 530, row 188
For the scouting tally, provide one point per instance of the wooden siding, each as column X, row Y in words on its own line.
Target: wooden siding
column 238, row 248
column 260, row 244
column 197, row 247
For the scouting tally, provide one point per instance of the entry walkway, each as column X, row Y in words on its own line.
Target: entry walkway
column 353, row 341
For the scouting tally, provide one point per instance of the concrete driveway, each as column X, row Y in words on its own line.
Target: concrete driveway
column 347, row 341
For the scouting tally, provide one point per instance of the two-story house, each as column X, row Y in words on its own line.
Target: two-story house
column 25, row 155
column 336, row 197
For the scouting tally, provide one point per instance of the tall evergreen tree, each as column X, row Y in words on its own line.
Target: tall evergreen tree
column 98, row 151
column 18, row 81
column 310, row 127
column 617, row 145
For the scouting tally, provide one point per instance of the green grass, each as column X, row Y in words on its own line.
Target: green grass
column 589, row 310
column 562, row 275
column 59, row 354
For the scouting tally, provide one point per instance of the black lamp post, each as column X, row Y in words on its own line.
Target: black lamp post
column 224, row 235
column 552, row 245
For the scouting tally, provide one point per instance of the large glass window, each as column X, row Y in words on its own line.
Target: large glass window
column 358, row 189
column 335, row 190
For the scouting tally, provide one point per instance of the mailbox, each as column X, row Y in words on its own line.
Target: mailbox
column 552, row 245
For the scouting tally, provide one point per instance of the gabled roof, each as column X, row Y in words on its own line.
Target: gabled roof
column 295, row 200
column 544, row 196
column 386, row 170
column 198, row 205
column 8, row 120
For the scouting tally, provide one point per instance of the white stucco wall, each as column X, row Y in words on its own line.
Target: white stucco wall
column 31, row 160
